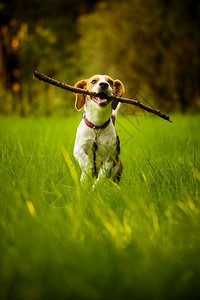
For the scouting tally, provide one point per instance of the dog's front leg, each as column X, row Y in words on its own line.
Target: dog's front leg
column 104, row 172
column 85, row 164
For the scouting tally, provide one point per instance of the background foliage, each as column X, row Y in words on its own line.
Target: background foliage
column 153, row 48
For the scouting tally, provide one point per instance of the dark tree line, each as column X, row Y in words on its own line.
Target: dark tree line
column 152, row 46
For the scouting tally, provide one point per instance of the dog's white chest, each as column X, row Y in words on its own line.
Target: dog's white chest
column 104, row 138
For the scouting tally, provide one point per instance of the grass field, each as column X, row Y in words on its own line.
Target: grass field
column 140, row 240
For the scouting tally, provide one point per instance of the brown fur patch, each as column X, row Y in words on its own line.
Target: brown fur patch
column 118, row 90
column 90, row 85
column 80, row 98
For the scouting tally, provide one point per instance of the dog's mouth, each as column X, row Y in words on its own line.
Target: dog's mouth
column 100, row 101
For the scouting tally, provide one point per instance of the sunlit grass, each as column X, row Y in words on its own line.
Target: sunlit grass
column 137, row 240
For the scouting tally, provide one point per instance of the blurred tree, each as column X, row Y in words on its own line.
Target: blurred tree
column 40, row 35
column 153, row 46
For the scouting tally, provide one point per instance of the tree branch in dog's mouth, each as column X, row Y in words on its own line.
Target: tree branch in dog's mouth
column 101, row 96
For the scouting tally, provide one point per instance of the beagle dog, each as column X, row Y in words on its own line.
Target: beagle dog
column 97, row 147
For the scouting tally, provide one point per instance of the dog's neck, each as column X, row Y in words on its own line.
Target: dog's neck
column 96, row 114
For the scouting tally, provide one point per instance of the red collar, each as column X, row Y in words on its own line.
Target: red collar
column 89, row 124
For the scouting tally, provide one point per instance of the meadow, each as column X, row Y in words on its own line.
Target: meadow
column 138, row 240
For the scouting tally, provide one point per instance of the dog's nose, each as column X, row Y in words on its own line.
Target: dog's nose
column 103, row 85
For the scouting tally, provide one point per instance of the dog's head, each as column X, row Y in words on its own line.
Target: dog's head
column 99, row 84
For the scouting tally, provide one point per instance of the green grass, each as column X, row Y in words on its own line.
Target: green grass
column 140, row 240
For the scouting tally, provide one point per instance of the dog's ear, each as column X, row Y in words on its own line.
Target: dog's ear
column 118, row 91
column 80, row 98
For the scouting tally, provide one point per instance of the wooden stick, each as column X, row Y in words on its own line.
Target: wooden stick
column 73, row 89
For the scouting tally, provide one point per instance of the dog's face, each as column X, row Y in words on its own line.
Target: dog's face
column 99, row 84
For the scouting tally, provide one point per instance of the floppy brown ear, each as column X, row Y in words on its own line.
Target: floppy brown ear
column 118, row 90
column 80, row 98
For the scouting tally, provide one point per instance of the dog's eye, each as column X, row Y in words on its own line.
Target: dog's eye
column 110, row 82
column 93, row 81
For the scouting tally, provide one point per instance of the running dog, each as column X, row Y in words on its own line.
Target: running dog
column 97, row 146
